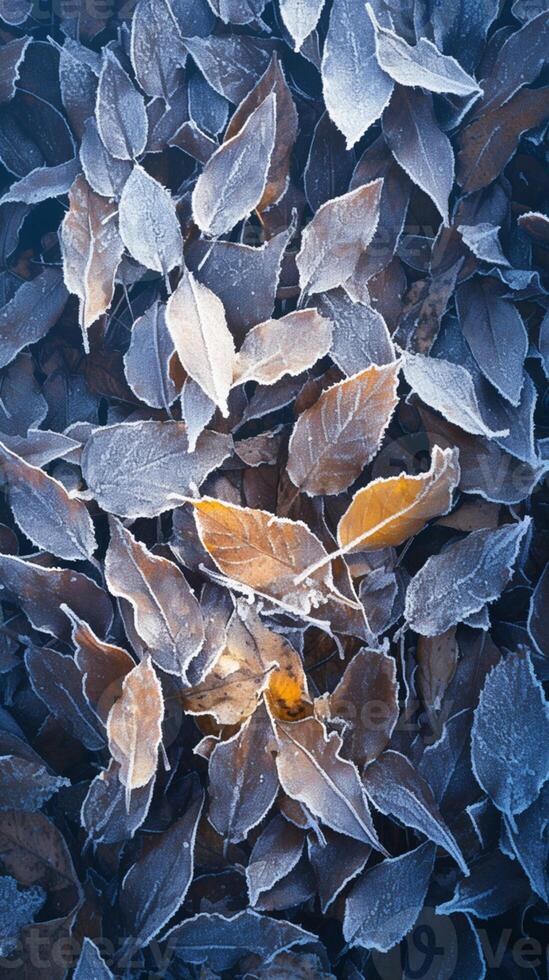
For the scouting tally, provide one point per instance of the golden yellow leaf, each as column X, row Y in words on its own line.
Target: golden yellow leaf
column 134, row 726
column 265, row 554
column 254, row 659
column 388, row 511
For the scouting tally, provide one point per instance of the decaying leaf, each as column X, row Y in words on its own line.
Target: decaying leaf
column 134, row 726
column 92, row 249
column 334, row 240
column 252, row 660
column 334, row 439
column 285, row 346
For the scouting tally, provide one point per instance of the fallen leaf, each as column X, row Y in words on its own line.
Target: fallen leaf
column 334, row 439
column 289, row 345
column 335, row 238
column 195, row 318
column 134, row 727
column 92, row 249
column 234, row 179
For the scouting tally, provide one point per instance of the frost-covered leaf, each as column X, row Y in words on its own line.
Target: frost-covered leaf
column 26, row 785
column 135, row 469
column 107, row 816
column 56, row 679
column 355, row 88
column 285, row 346
column 495, row 332
column 360, row 335
column 252, row 659
column 495, row 885
column 480, row 156
column 45, row 512
column 264, row 553
column 91, row 965
column 366, row 701
column 334, row 439
column 470, row 573
column 28, row 316
column 312, row 771
column 420, row 147
column 388, row 511
column 396, row 788
column 149, row 226
column 300, row 18
column 102, row 665
column 243, row 781
column 120, row 111
column 19, row 906
column 11, row 56
column 92, row 249
column 275, row 853
column 449, row 389
column 134, row 726
column 155, row 886
column 196, row 321
column 245, row 279
column 421, row 65
column 234, row 178
column 42, row 590
column 509, row 740
column 221, row 941
column 146, row 362
column 104, row 173
column 334, row 240
column 231, row 64
column 166, row 614
column 43, row 183
column 286, row 125
column 385, row 902
column 157, row 50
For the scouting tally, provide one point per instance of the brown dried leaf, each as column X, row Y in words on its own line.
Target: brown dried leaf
column 92, row 249
column 289, row 345
column 253, row 659
column 166, row 614
column 134, row 726
column 102, row 665
column 338, row 234
column 312, row 771
column 334, row 439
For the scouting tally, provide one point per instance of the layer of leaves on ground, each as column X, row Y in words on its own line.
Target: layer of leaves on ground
column 274, row 344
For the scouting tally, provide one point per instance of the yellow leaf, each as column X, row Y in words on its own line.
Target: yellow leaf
column 254, row 659
column 265, row 553
column 389, row 511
